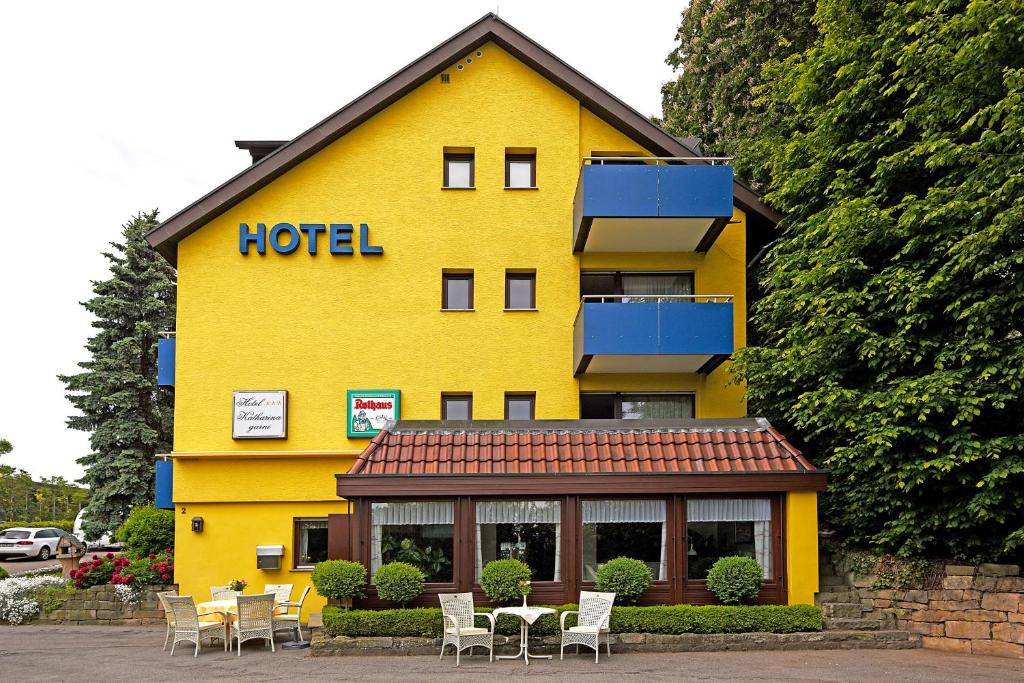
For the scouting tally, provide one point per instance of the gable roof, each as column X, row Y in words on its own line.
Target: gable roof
column 489, row 28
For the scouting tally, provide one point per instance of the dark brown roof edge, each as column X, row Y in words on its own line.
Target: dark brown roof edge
column 166, row 236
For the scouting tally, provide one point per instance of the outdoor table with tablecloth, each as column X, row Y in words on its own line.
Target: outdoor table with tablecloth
column 225, row 611
column 527, row 615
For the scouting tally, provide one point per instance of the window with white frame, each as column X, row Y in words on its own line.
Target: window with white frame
column 624, row 528
column 725, row 527
column 527, row 530
column 419, row 533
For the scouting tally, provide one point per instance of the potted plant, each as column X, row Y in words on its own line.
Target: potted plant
column 238, row 585
column 339, row 581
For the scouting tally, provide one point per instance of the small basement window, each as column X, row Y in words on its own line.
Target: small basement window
column 457, row 406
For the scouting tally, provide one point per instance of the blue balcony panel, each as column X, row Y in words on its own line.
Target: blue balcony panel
column 165, row 352
column 630, row 208
column 164, row 485
column 652, row 337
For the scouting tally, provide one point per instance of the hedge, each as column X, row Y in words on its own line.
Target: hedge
column 67, row 525
column 426, row 622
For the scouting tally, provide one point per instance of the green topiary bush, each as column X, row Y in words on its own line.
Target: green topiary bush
column 399, row 582
column 626, row 577
column 735, row 580
column 339, row 579
column 501, row 580
column 147, row 530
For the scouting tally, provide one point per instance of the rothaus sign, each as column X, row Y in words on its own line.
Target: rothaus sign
column 286, row 238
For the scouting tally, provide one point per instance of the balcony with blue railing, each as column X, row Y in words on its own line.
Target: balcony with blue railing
column 679, row 333
column 633, row 204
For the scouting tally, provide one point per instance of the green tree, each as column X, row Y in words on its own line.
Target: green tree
column 723, row 45
column 127, row 415
column 5, row 447
column 893, row 319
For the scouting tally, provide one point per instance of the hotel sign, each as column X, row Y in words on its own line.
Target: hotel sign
column 369, row 411
column 285, row 238
column 259, row 415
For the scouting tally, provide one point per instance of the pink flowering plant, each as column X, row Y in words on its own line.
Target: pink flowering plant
column 120, row 570
column 238, row 585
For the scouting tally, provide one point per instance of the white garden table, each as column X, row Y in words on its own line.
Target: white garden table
column 527, row 615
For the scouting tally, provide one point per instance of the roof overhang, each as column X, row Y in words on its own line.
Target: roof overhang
column 489, row 28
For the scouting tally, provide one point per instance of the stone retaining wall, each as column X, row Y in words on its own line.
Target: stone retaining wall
column 323, row 645
column 977, row 610
column 99, row 605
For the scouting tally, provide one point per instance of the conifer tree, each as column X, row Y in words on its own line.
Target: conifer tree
column 128, row 417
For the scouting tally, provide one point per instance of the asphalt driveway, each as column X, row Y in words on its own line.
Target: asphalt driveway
column 132, row 653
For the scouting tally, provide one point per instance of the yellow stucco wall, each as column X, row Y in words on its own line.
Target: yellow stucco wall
column 318, row 325
column 802, row 546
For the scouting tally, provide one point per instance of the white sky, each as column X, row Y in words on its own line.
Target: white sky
column 109, row 108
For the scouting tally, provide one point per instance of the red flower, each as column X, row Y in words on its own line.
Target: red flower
column 167, row 550
column 110, row 556
column 165, row 577
column 95, row 557
column 78, row 584
column 170, row 567
column 152, row 556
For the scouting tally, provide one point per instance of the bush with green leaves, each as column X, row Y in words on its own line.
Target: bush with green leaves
column 626, row 577
column 501, row 580
column 399, row 582
column 735, row 580
column 3, row 574
column 147, row 530
column 339, row 579
column 662, row 619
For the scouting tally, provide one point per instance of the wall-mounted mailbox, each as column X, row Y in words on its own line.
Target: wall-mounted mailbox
column 197, row 525
column 269, row 556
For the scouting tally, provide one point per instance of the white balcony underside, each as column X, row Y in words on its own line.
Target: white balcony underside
column 645, row 364
column 646, row 234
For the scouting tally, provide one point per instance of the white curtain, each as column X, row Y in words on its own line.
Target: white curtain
column 654, row 284
column 756, row 510
column 304, row 535
column 399, row 514
column 520, row 512
column 630, row 511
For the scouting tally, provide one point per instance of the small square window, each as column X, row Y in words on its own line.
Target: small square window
column 457, row 291
column 519, row 406
column 457, row 406
column 310, row 542
column 520, row 291
column 459, row 170
column 520, row 171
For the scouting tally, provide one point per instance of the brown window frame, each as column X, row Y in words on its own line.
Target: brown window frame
column 444, row 402
column 519, row 158
column 445, row 278
column 532, row 278
column 296, row 542
column 471, row 158
column 511, row 395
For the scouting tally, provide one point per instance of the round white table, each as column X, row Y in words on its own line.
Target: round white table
column 527, row 615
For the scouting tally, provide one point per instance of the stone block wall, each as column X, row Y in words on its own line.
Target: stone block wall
column 977, row 610
column 100, row 605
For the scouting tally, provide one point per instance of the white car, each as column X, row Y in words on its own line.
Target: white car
column 30, row 542
column 104, row 541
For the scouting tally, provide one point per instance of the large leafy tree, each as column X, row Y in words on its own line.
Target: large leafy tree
column 895, row 306
column 722, row 46
column 128, row 416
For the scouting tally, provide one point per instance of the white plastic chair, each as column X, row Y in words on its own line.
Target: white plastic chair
column 592, row 622
column 289, row 621
column 189, row 627
column 168, row 613
column 459, row 628
column 223, row 593
column 255, row 620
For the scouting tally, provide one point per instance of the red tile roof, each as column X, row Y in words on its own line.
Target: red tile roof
column 580, row 447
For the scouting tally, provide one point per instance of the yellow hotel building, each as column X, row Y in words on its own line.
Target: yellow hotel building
column 484, row 310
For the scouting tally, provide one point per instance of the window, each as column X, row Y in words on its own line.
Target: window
column 631, row 287
column 457, row 406
column 310, row 542
column 624, row 528
column 421, row 534
column 527, row 530
column 520, row 291
column 654, row 406
column 519, row 406
column 723, row 527
column 457, row 291
column 520, row 171
column 459, row 170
